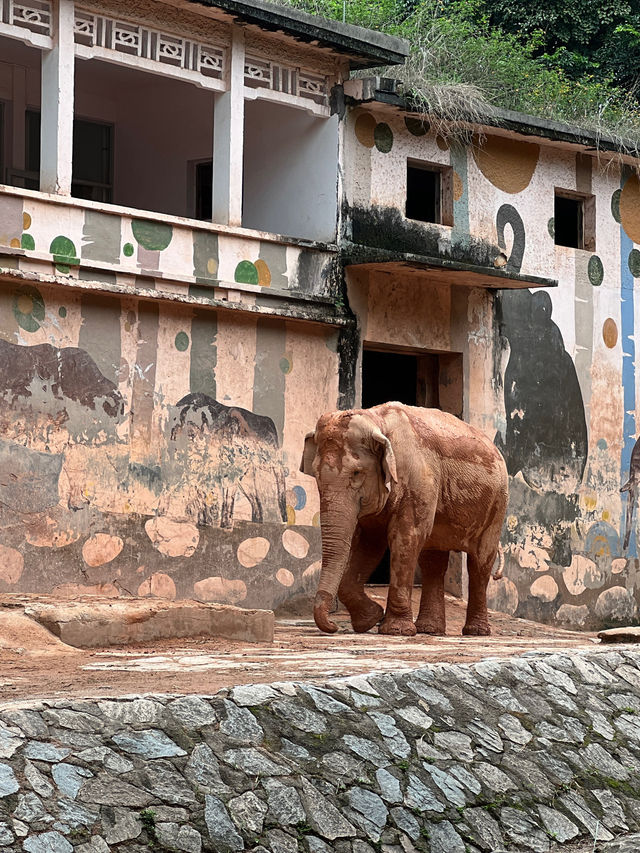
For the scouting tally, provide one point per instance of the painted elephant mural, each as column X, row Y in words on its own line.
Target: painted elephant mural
column 215, row 450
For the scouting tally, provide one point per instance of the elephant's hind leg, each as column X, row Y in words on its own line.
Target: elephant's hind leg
column 431, row 618
column 477, row 622
column 367, row 550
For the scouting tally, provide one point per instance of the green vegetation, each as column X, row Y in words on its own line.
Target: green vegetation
column 576, row 61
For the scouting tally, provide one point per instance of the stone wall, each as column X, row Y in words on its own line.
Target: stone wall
column 518, row 754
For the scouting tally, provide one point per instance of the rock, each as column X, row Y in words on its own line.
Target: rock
column 8, row 782
column 167, row 834
column 486, row 830
column 576, row 805
column 612, row 814
column 415, row 717
column 344, row 767
column 248, row 695
column 597, row 758
column 405, row 821
column 40, row 751
column 192, row 712
column 248, row 812
column 466, row 778
column 522, row 830
column 29, row 809
column 29, row 722
column 444, row 838
column 315, row 845
column 494, row 778
column 69, row 778
column 630, row 844
column 6, row 836
column 162, row 780
column 302, row 718
column 455, row 743
column 449, row 786
column 76, row 815
column 394, row 739
column 48, row 842
column 11, row 739
column 280, row 842
column 253, row 763
column 322, row 815
column 240, row 725
column 389, row 786
column 514, row 730
column 78, row 721
column 203, row 769
column 37, row 780
column 108, row 790
column 138, row 711
column 294, row 750
column 324, row 702
column 221, row 830
column 96, row 845
column 151, row 743
column 284, row 803
column 371, row 807
column 419, row 797
column 189, row 840
column 366, row 749
column 559, row 827
column 485, row 736
column 120, row 825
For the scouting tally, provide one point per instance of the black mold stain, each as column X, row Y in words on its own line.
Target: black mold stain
column 386, row 228
column 337, row 102
column 69, row 373
column 508, row 215
column 546, row 434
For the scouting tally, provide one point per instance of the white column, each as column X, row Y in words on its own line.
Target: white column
column 228, row 140
column 56, row 137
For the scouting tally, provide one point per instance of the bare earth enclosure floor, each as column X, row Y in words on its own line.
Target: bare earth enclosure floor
column 34, row 664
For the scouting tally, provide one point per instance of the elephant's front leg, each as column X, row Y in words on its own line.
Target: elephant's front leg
column 367, row 550
column 405, row 543
column 431, row 618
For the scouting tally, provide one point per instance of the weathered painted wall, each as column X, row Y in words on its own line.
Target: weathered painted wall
column 549, row 374
column 149, row 445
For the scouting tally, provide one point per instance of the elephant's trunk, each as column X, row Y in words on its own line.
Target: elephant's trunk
column 338, row 525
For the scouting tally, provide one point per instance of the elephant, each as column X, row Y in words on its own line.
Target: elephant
column 419, row 481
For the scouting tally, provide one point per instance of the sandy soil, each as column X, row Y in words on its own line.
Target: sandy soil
column 34, row 664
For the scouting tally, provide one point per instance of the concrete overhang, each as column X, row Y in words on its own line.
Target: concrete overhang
column 444, row 271
column 365, row 48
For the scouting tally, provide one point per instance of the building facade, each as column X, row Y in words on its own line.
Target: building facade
column 210, row 235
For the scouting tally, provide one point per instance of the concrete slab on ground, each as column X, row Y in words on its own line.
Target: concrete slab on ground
column 90, row 625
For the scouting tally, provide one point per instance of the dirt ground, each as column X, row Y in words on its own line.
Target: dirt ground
column 34, row 664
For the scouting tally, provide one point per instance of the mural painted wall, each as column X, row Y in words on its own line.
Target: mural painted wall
column 555, row 383
column 151, row 446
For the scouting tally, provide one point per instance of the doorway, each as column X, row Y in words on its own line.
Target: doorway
column 432, row 380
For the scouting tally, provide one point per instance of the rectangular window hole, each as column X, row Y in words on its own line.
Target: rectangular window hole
column 423, row 194
column 568, row 221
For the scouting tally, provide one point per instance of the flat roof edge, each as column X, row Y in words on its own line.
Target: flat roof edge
column 384, row 90
column 367, row 48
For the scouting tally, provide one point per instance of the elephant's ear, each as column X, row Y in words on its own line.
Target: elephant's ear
column 308, row 454
column 388, row 458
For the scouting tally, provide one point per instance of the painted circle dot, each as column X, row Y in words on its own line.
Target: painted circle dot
column 62, row 311
column 595, row 270
column 26, row 221
column 417, row 126
column 212, row 266
column 24, row 303
column 383, row 137
column 182, row 341
column 615, row 205
column 128, row 250
column 285, row 365
column 551, row 227
column 610, row 333
column 442, row 143
column 634, row 263
column 364, row 129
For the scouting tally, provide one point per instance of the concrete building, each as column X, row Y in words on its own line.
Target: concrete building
column 210, row 235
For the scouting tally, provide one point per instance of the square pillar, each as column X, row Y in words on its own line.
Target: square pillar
column 228, row 140
column 58, row 73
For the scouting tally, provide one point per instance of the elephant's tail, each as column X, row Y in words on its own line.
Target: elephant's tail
column 498, row 572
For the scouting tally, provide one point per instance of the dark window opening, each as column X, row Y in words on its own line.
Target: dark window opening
column 204, row 190
column 423, row 194
column 433, row 380
column 568, row 220
column 92, row 177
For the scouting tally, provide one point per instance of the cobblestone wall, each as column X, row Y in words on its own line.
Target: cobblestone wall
column 518, row 754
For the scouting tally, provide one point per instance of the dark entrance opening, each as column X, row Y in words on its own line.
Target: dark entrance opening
column 433, row 380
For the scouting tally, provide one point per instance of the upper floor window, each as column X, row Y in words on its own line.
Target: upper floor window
column 429, row 192
column 574, row 220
